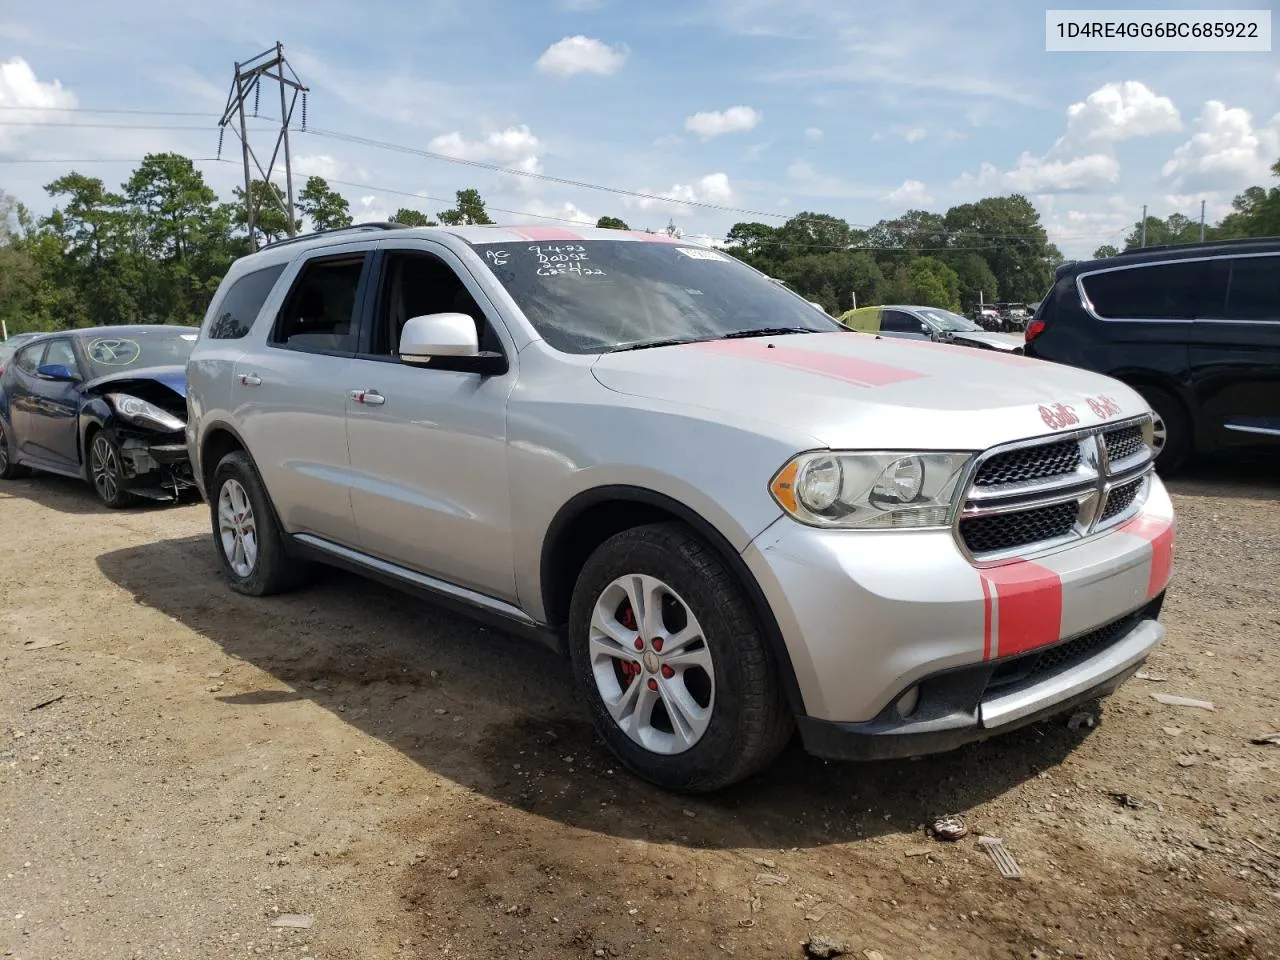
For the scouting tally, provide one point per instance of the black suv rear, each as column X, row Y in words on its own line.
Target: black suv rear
column 1194, row 328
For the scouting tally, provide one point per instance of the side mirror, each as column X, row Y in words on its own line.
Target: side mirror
column 438, row 335
column 56, row 371
column 447, row 341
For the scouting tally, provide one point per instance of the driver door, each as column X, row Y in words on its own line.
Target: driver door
column 903, row 325
column 53, row 425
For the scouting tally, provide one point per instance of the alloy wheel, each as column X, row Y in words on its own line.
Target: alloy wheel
column 237, row 528
column 105, row 465
column 1159, row 433
column 652, row 664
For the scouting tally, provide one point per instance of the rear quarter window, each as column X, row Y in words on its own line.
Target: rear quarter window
column 242, row 303
column 1167, row 291
column 1254, row 289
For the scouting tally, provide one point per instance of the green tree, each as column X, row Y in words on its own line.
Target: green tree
column 1104, row 251
column 977, row 282
column 412, row 218
column 925, row 282
column 612, row 223
column 323, row 206
column 1012, row 240
column 833, row 278
column 469, row 209
column 269, row 217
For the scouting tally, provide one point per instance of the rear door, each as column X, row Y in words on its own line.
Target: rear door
column 1235, row 352
column 289, row 394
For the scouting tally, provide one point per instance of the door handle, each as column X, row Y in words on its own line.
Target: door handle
column 370, row 398
column 250, row 380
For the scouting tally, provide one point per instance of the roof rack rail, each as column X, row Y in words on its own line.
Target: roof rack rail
column 1199, row 245
column 354, row 228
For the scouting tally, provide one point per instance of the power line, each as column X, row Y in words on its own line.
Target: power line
column 146, row 113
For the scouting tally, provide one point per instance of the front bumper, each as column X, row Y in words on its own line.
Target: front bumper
column 868, row 618
column 155, row 465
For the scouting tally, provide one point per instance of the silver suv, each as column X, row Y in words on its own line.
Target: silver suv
column 735, row 516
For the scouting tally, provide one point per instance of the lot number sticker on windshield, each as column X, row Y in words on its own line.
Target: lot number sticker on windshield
column 696, row 253
column 113, row 352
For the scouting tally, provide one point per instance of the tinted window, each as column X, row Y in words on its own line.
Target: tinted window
column 243, row 302
column 1163, row 292
column 29, row 358
column 319, row 314
column 61, row 351
column 1254, row 293
column 138, row 347
column 591, row 296
column 895, row 321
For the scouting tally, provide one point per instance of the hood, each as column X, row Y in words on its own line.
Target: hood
column 998, row 341
column 857, row 391
column 173, row 377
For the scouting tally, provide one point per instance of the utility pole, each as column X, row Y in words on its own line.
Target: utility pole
column 1144, row 224
column 272, row 65
column 1202, row 221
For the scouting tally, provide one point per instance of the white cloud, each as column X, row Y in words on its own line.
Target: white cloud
column 580, row 54
column 371, row 208
column 713, row 188
column 1119, row 111
column 565, row 211
column 32, row 99
column 814, row 133
column 514, row 147
column 912, row 193
column 912, row 134
column 330, row 168
column 1226, row 151
column 716, row 122
column 1041, row 175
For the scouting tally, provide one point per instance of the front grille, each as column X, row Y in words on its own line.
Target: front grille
column 1041, row 494
column 998, row 532
column 1032, row 667
column 1029, row 463
column 1121, row 498
column 1123, row 443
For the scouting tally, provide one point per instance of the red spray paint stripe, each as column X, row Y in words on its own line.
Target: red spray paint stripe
column 1158, row 532
column 1030, row 606
column 545, row 233
column 986, row 618
column 864, row 373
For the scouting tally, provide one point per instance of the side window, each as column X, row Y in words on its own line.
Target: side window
column 243, row 302
column 319, row 314
column 61, row 351
column 29, row 358
column 1254, row 291
column 1167, row 291
column 417, row 284
column 895, row 321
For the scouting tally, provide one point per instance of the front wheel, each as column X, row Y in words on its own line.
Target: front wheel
column 249, row 539
column 674, row 666
column 106, row 471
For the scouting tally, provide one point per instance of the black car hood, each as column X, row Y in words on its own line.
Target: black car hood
column 174, row 377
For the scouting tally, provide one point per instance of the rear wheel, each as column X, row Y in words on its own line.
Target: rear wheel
column 248, row 537
column 8, row 469
column 1172, row 439
column 675, row 668
column 106, row 471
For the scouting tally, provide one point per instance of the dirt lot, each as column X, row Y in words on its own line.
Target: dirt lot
column 422, row 787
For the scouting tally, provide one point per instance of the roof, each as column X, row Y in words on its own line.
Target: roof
column 1176, row 251
column 506, row 233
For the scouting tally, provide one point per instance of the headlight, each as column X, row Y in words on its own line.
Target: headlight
column 144, row 414
column 871, row 491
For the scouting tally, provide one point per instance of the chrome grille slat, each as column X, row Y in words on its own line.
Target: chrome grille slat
column 1039, row 494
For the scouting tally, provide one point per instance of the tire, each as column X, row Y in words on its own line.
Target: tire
column 741, row 722
column 8, row 469
column 1174, row 423
column 246, row 533
column 106, row 471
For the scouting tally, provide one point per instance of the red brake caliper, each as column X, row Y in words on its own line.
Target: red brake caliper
column 630, row 669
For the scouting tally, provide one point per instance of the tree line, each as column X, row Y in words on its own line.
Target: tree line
column 154, row 249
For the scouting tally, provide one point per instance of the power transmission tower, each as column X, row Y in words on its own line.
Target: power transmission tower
column 271, row 65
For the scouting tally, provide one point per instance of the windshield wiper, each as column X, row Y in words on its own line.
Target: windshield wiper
column 646, row 344
column 767, row 332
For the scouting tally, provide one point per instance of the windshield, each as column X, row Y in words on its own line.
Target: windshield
column 592, row 296
column 947, row 320
column 133, row 349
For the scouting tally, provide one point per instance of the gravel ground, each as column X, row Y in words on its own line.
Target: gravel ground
column 180, row 767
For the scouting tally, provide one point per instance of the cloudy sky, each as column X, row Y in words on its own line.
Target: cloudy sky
column 765, row 106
